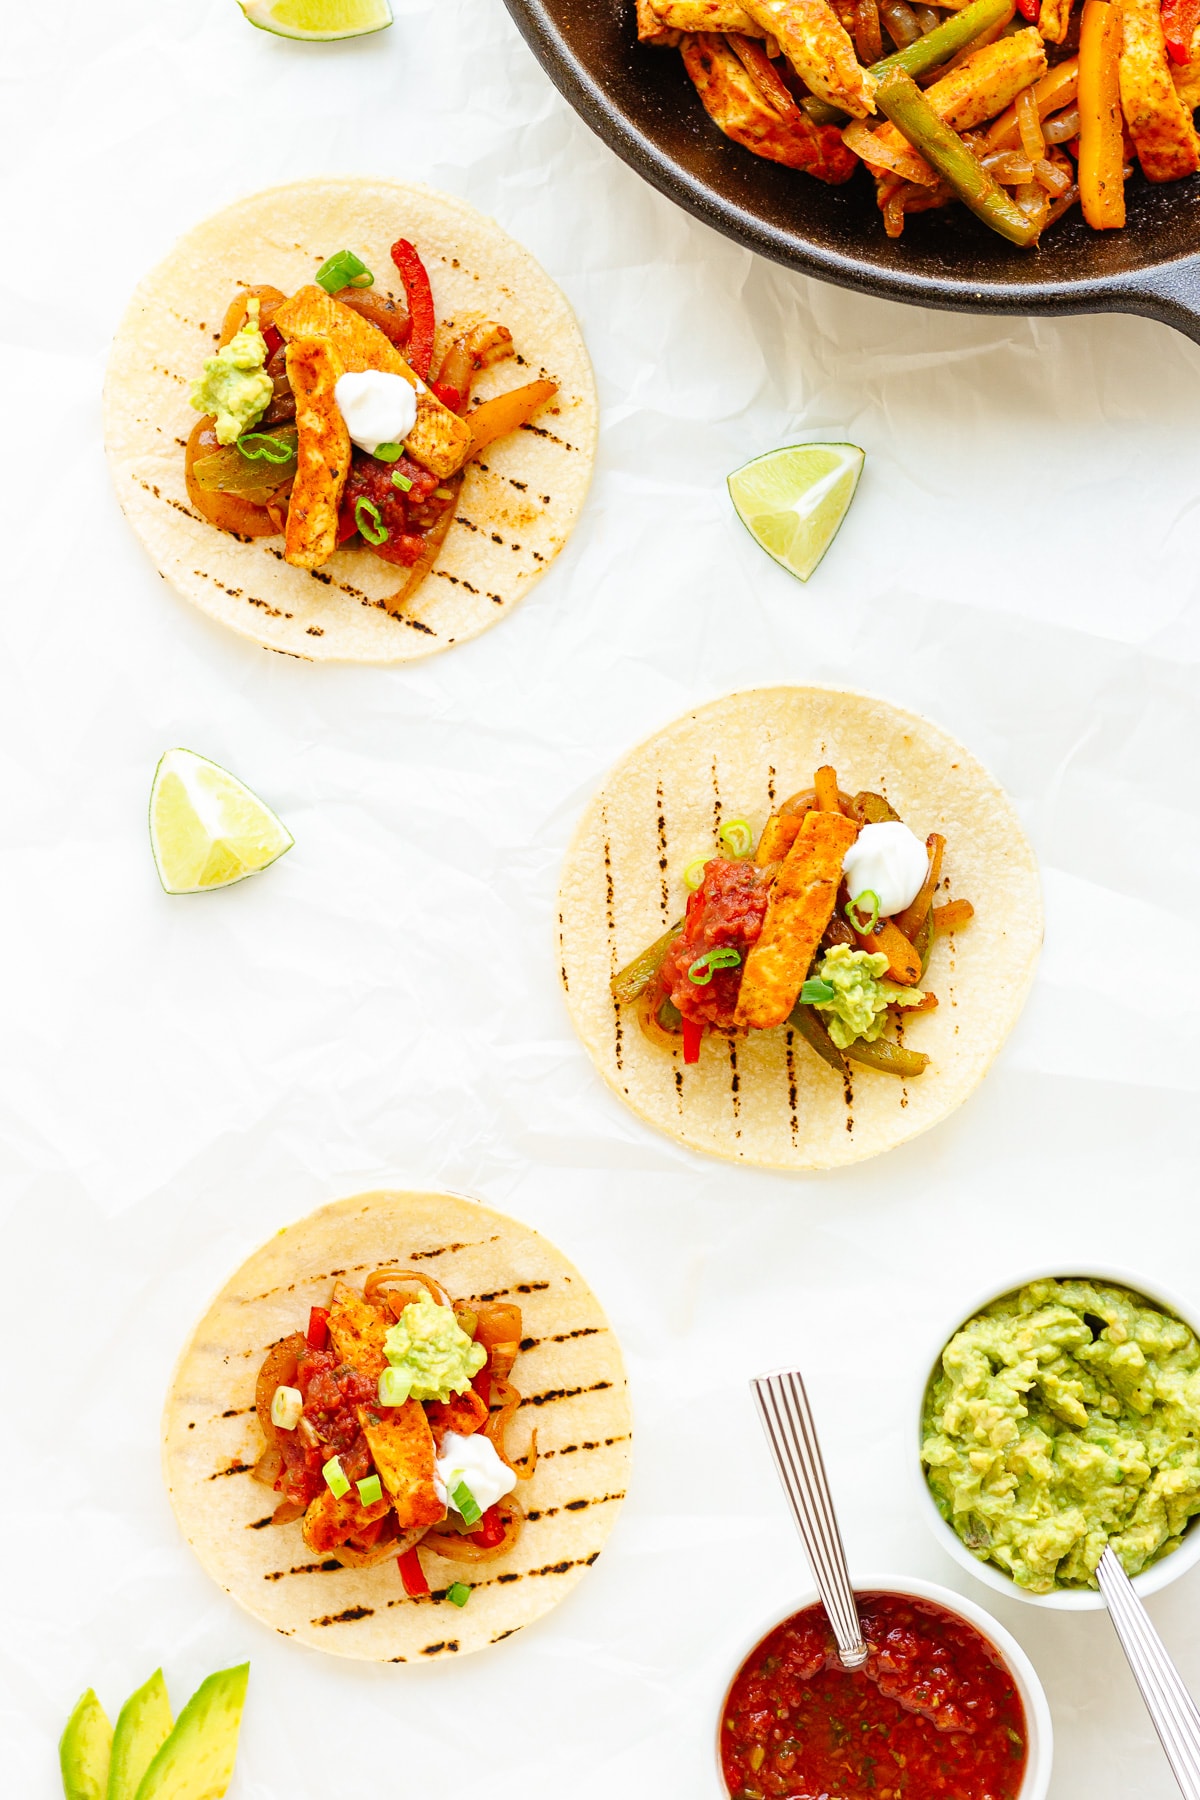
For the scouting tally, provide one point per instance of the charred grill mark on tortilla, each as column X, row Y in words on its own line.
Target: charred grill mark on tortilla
column 447, row 1647
column 553, row 1394
column 574, row 1506
column 789, row 1057
column 330, row 1566
column 565, row 1337
column 508, row 1578
column 258, row 1524
column 735, row 1082
column 234, row 1468
column 665, row 898
column 848, row 1096
column 611, row 924
column 350, row 1617
column 276, row 612
column 588, row 1444
column 771, row 786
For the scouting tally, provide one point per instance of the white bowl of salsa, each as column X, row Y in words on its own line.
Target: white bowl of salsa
column 936, row 1658
column 1157, row 1574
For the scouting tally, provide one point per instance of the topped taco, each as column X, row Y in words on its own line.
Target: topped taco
column 393, row 1463
column 810, row 1001
column 397, row 419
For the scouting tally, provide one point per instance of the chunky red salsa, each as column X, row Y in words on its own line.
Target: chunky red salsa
column 726, row 912
column 933, row 1712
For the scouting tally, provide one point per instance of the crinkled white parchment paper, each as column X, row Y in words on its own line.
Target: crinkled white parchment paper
column 180, row 1077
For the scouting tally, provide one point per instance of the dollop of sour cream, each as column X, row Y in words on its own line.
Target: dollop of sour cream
column 473, row 1460
column 378, row 408
column 889, row 860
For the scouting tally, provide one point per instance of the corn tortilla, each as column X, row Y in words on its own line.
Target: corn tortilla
column 767, row 1098
column 519, row 500
column 569, row 1371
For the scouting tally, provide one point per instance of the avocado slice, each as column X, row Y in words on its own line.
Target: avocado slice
column 84, row 1750
column 143, row 1726
column 196, row 1762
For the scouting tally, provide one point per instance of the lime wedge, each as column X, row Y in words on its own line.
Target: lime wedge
column 792, row 501
column 318, row 20
column 206, row 828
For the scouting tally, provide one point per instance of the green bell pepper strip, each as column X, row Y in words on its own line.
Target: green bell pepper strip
column 923, row 942
column 636, row 976
column 888, row 1058
column 812, row 1029
column 937, row 46
column 913, row 116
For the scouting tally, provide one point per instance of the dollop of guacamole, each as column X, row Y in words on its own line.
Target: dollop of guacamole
column 1063, row 1418
column 432, row 1351
column 860, row 999
column 234, row 385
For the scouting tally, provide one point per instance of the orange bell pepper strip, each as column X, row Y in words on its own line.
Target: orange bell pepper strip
column 912, row 918
column 904, row 964
column 826, row 785
column 954, row 914
column 1101, row 128
column 507, row 412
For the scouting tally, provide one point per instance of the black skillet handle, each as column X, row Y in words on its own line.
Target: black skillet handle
column 1169, row 293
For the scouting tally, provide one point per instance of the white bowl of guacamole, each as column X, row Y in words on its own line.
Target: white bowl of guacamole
column 1038, row 1729
column 1061, row 1416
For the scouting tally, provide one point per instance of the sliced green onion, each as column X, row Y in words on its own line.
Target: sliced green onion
column 817, row 992
column 286, row 1407
column 464, row 1501
column 737, row 838
column 344, row 270
column 370, row 1490
column 458, row 1594
column 369, row 520
column 394, row 1387
column 400, row 481
column 693, row 875
column 870, row 900
column 335, row 1477
column 443, row 493
column 389, row 453
column 704, row 967
column 259, row 444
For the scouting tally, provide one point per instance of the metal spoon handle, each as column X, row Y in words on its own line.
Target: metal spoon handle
column 1172, row 1710
column 788, row 1422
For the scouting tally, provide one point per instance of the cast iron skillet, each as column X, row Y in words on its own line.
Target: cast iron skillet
column 640, row 101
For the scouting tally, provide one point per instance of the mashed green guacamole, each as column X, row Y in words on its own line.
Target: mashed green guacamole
column 234, row 385
column 1063, row 1418
column 429, row 1354
column 861, row 998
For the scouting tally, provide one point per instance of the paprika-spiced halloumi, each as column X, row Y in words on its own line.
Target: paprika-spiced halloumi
column 401, row 1445
column 322, row 453
column 799, row 909
column 358, row 1330
column 1159, row 121
column 439, row 440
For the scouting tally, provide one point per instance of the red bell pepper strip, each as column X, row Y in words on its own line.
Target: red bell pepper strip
column 449, row 396
column 483, row 1387
column 317, row 1335
column 412, row 1574
column 1179, row 21
column 1028, row 9
column 272, row 339
column 419, row 352
column 693, row 1037
column 491, row 1530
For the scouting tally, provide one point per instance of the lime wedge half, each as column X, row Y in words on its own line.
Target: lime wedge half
column 318, row 20
column 792, row 501
column 206, row 828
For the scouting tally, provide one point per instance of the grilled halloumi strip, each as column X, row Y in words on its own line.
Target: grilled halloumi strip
column 702, row 15
column 983, row 85
column 1158, row 119
column 734, row 101
column 401, row 1446
column 439, row 440
column 1053, row 19
column 322, row 453
column 328, row 1522
column 798, row 911
column 819, row 48
column 651, row 30
column 358, row 1330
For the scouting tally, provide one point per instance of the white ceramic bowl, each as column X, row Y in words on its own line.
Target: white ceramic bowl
column 1159, row 1574
column 1039, row 1731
